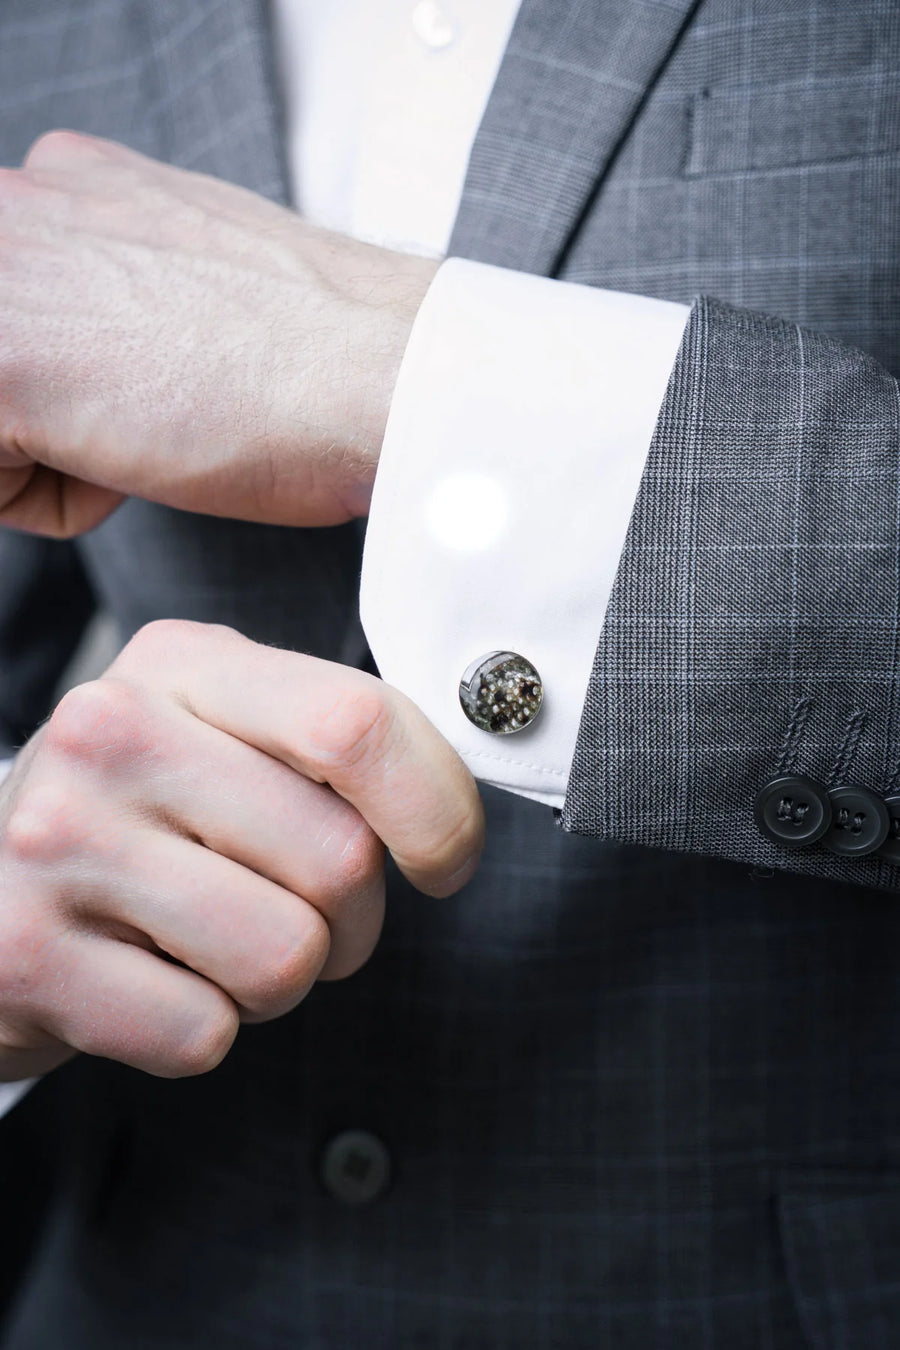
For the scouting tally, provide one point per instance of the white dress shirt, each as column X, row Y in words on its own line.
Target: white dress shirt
column 524, row 407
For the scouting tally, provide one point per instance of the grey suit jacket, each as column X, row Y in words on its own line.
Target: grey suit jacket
column 640, row 1093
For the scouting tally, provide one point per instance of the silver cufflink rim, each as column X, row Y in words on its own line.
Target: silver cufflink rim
column 528, row 704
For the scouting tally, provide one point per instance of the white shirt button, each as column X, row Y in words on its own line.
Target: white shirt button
column 432, row 26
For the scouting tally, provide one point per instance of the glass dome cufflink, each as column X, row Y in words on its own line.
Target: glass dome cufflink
column 501, row 692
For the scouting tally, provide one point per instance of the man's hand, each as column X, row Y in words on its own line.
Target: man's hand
column 222, row 804
column 170, row 336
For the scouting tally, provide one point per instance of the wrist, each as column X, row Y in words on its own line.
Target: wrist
column 368, row 299
column 382, row 331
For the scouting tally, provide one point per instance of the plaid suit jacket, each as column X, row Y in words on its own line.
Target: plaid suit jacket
column 638, row 1090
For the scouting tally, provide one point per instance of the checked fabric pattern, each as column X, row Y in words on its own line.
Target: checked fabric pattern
column 635, row 1097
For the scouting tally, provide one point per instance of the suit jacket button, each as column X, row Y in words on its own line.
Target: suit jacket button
column 501, row 692
column 355, row 1167
column 860, row 822
column 793, row 811
column 890, row 849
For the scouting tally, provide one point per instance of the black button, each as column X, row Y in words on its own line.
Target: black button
column 890, row 849
column 860, row 822
column 793, row 811
column 356, row 1167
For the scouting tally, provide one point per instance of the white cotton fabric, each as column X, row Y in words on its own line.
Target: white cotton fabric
column 514, row 450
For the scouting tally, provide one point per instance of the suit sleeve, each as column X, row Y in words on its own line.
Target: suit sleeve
column 752, row 631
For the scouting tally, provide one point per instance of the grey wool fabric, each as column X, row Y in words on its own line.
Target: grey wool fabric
column 638, row 1085
column 753, row 627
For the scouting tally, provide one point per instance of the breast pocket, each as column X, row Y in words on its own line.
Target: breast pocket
column 841, row 1237
column 739, row 130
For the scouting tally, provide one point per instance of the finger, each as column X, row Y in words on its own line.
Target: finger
column 70, row 156
column 62, row 149
column 123, row 1003
column 336, row 725
column 259, row 943
column 43, row 501
column 282, row 826
column 167, row 772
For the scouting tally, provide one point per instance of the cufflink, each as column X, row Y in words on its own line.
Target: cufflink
column 501, row 692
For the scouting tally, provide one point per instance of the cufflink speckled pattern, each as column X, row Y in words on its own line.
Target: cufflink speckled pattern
column 501, row 693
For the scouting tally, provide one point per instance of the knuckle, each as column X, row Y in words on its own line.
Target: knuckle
column 359, row 862
column 46, row 824
column 60, row 146
column 163, row 642
column 157, row 639
column 287, row 973
column 206, row 1046
column 103, row 721
column 358, row 729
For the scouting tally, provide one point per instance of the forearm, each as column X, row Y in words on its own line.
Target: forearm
column 238, row 361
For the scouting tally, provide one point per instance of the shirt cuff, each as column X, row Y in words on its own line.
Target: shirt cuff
column 518, row 432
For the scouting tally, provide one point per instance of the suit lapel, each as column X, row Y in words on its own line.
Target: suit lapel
column 573, row 77
column 220, row 111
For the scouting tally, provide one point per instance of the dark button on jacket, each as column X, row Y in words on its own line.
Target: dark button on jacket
column 793, row 811
column 860, row 821
column 890, row 849
column 355, row 1167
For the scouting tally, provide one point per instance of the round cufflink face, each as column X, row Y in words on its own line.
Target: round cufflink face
column 793, row 811
column 501, row 692
column 860, row 822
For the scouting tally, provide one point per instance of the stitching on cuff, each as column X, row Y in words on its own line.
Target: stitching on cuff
column 515, row 763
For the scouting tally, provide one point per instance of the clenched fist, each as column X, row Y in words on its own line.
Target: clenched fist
column 198, row 836
column 169, row 336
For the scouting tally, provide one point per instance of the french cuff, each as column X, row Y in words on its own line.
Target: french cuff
column 517, row 435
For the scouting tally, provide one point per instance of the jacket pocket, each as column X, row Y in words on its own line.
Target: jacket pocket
column 745, row 129
column 841, row 1238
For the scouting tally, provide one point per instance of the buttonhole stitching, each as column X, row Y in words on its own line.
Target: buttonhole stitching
column 790, row 746
column 852, row 732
